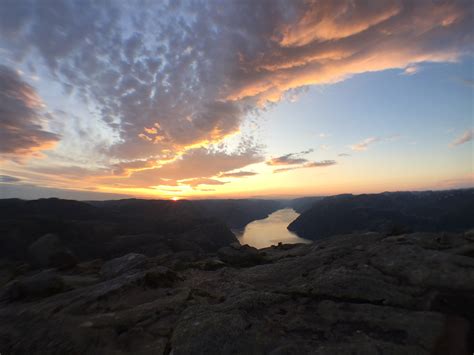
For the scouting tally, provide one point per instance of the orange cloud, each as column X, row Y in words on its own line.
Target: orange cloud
column 191, row 168
column 21, row 131
column 332, row 41
column 201, row 181
column 238, row 174
column 325, row 20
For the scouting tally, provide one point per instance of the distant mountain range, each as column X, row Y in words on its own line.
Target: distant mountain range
column 103, row 228
column 390, row 213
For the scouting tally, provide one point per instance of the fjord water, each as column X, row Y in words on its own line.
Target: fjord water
column 270, row 231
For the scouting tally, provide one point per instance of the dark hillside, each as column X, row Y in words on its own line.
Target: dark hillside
column 392, row 213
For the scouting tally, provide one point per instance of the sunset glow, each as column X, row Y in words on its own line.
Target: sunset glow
column 248, row 99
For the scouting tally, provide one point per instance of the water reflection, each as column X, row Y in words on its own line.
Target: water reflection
column 271, row 230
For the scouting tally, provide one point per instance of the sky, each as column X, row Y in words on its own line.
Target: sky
column 210, row 99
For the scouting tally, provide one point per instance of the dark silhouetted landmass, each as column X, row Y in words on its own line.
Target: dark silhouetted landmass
column 237, row 213
column 163, row 277
column 109, row 228
column 391, row 213
column 302, row 204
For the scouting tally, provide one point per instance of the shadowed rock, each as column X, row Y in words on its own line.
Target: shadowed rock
column 122, row 265
column 353, row 294
column 48, row 251
column 43, row 284
column 240, row 255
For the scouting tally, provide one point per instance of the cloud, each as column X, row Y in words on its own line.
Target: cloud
column 142, row 66
column 238, row 174
column 343, row 155
column 30, row 192
column 8, row 179
column 202, row 181
column 21, row 131
column 362, row 146
column 196, row 164
column 170, row 190
column 326, row 42
column 290, row 159
column 315, row 164
column 320, row 164
column 126, row 167
column 464, row 138
column 69, row 171
column 202, row 162
column 153, row 75
column 281, row 170
column 412, row 69
column 193, row 168
column 162, row 79
column 286, row 160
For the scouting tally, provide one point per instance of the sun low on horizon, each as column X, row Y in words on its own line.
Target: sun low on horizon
column 234, row 99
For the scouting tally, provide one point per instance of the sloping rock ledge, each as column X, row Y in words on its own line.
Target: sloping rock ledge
column 354, row 294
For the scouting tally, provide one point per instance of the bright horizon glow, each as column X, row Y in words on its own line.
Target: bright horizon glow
column 235, row 101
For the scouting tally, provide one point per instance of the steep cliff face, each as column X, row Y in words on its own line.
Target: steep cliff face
column 360, row 293
column 390, row 213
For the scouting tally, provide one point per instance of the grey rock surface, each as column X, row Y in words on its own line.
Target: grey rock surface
column 352, row 294
column 122, row 265
column 240, row 255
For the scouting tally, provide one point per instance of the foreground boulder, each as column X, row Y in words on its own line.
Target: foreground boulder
column 48, row 251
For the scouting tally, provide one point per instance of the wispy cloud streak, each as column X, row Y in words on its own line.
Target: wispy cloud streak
column 364, row 145
column 314, row 164
column 467, row 136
